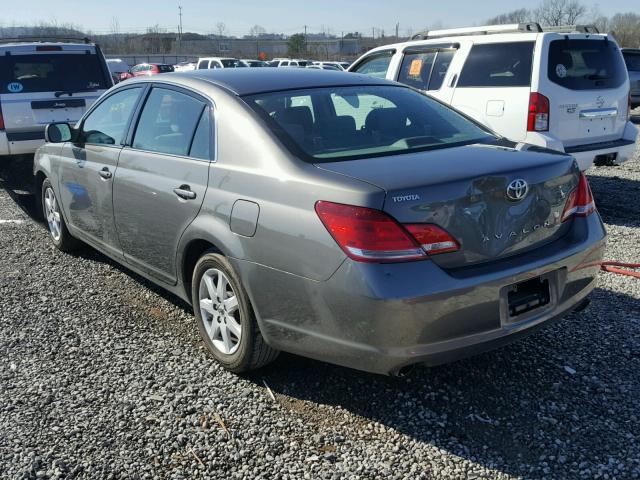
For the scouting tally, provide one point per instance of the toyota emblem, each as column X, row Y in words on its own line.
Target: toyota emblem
column 517, row 190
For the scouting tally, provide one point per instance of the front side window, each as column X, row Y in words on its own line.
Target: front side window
column 498, row 65
column 342, row 123
column 51, row 73
column 203, row 65
column 585, row 64
column 168, row 122
column 376, row 65
column 108, row 122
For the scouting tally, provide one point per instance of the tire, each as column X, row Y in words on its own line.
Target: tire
column 221, row 304
column 54, row 220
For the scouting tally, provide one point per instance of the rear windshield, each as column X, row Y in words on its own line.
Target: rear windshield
column 632, row 60
column 51, row 72
column 586, row 64
column 165, row 68
column 341, row 123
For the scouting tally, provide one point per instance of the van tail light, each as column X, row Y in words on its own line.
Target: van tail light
column 368, row 235
column 580, row 202
column 49, row 48
column 538, row 119
column 1, row 119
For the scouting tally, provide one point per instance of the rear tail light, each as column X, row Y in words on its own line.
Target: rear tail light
column 369, row 235
column 432, row 238
column 629, row 106
column 538, row 119
column 1, row 119
column 580, row 202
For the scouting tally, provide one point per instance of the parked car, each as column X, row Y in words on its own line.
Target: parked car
column 45, row 81
column 146, row 69
column 565, row 89
column 206, row 63
column 338, row 65
column 290, row 63
column 341, row 217
column 632, row 60
column 184, row 66
column 254, row 63
column 325, row 67
column 120, row 70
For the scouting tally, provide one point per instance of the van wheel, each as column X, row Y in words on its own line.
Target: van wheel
column 225, row 318
column 58, row 231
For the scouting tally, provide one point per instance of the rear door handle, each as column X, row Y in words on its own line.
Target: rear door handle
column 184, row 191
column 105, row 173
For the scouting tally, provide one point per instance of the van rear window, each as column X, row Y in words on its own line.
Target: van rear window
column 505, row 64
column 51, row 73
column 586, row 64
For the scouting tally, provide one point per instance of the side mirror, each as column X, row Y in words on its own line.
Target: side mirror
column 58, row 132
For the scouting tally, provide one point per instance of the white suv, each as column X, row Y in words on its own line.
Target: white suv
column 206, row 63
column 45, row 82
column 566, row 90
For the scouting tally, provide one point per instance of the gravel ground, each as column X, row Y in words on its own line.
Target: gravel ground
column 104, row 376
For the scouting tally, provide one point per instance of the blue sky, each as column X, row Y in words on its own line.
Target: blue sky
column 287, row 16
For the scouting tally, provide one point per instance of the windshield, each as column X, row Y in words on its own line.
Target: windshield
column 340, row 123
column 50, row 73
column 586, row 64
column 232, row 63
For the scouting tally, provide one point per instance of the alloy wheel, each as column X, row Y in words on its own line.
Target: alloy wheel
column 219, row 309
column 53, row 214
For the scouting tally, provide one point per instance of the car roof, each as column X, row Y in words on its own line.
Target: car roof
column 249, row 81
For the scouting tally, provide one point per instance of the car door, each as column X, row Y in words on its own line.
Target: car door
column 87, row 167
column 161, row 178
column 426, row 67
column 495, row 84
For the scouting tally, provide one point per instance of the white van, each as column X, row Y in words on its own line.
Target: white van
column 44, row 82
column 565, row 89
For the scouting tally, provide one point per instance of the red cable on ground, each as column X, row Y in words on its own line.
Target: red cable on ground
column 611, row 268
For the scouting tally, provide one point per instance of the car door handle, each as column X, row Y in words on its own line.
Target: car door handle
column 184, row 191
column 105, row 173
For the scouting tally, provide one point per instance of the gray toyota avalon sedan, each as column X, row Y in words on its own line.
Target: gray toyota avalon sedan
column 335, row 216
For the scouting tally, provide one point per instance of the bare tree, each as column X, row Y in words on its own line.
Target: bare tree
column 626, row 28
column 560, row 12
column 257, row 31
column 521, row 15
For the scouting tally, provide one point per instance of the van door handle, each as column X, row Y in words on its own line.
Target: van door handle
column 105, row 173
column 184, row 191
column 454, row 79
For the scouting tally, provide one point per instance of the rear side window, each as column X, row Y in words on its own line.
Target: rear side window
column 51, row 73
column 586, row 64
column 168, row 122
column 632, row 60
column 425, row 70
column 376, row 65
column 201, row 145
column 498, row 65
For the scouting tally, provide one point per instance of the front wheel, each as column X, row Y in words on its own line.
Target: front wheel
column 58, row 231
column 225, row 317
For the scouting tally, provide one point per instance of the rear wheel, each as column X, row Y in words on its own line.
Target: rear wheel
column 58, row 232
column 225, row 318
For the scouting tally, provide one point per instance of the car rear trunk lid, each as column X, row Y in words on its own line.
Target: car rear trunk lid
column 464, row 191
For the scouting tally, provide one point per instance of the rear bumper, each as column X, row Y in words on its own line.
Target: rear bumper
column 380, row 318
column 585, row 154
column 17, row 143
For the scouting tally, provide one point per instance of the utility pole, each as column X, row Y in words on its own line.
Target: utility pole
column 397, row 29
column 180, row 29
column 305, row 40
column 373, row 32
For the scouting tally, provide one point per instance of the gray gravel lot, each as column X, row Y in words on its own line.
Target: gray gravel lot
column 104, row 376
